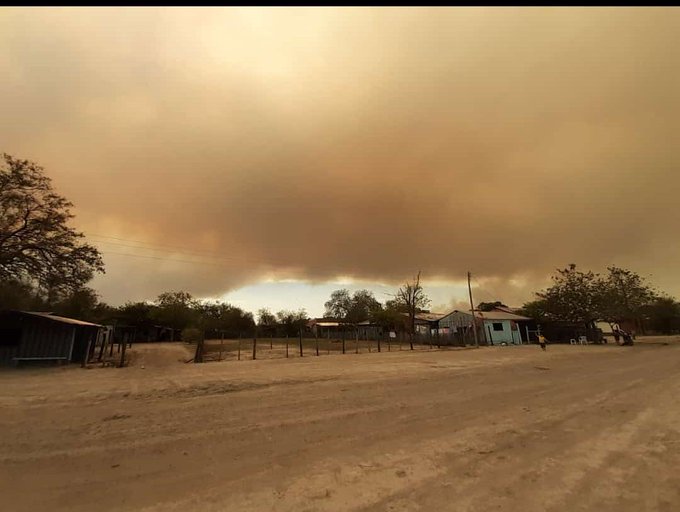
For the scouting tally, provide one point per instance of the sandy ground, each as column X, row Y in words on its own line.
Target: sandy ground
column 506, row 428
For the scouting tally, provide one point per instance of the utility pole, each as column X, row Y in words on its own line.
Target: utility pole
column 472, row 310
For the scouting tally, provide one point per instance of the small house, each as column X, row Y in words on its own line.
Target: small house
column 495, row 327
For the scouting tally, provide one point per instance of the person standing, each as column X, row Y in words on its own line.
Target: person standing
column 542, row 341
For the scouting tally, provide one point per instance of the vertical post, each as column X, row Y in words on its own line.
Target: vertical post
column 527, row 329
column 316, row 339
column 472, row 310
column 198, row 356
column 300, row 332
column 86, row 356
column 254, row 345
column 102, row 349
column 238, row 356
column 122, row 356
column 379, row 336
column 286, row 345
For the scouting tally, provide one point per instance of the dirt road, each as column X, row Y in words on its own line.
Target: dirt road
column 508, row 428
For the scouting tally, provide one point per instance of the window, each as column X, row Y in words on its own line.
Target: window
column 497, row 326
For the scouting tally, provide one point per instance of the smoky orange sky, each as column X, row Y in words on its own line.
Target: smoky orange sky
column 209, row 149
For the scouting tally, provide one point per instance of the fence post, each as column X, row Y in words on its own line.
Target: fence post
column 122, row 356
column 86, row 356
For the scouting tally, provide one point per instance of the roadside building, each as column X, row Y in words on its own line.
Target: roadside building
column 39, row 336
column 495, row 327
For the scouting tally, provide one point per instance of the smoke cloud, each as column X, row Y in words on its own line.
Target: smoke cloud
column 207, row 149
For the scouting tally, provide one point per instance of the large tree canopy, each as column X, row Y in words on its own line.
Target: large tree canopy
column 37, row 245
column 360, row 306
column 574, row 296
column 586, row 297
column 624, row 294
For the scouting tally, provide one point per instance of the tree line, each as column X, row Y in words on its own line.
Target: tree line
column 620, row 295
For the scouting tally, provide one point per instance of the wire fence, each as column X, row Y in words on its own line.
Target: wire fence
column 277, row 348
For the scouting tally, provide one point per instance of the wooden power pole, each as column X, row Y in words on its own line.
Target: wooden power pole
column 472, row 310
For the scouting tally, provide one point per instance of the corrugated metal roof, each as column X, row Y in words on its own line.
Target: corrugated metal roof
column 61, row 319
column 430, row 317
column 493, row 315
column 499, row 315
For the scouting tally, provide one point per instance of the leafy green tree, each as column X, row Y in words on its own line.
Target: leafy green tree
column 82, row 304
column 390, row 317
column 623, row 296
column 224, row 317
column 292, row 321
column 266, row 321
column 662, row 315
column 362, row 306
column 339, row 305
column 490, row 306
column 536, row 309
column 37, row 246
column 138, row 314
column 15, row 294
column 574, row 296
column 177, row 310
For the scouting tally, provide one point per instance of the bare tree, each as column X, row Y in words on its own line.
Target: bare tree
column 412, row 298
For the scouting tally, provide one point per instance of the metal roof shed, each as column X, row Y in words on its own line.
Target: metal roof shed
column 38, row 336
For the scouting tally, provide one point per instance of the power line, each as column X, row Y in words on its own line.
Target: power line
column 166, row 259
column 224, row 258
column 164, row 246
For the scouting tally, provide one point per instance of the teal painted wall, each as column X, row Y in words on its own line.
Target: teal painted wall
column 507, row 335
